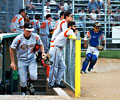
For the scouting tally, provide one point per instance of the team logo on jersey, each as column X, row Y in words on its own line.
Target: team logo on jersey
column 43, row 25
column 94, row 36
column 25, row 46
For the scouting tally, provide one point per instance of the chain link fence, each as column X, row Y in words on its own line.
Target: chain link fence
column 69, row 57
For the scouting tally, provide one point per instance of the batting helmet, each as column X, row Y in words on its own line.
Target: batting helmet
column 97, row 24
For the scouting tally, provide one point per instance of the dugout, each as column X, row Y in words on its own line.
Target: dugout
column 7, row 84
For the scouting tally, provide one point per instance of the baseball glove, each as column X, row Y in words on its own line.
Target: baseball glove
column 100, row 47
column 47, row 59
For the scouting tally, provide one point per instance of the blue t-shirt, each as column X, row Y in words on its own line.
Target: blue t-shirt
column 91, row 6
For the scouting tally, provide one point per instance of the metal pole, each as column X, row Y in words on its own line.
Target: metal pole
column 23, row 4
column 105, row 28
column 64, row 57
column 73, row 3
column 4, row 65
column 70, row 61
column 85, row 24
column 42, row 10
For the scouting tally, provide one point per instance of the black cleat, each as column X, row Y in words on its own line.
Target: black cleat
column 61, row 85
column 31, row 89
column 52, row 86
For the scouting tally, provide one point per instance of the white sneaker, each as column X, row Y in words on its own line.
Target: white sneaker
column 82, row 72
column 23, row 93
column 91, row 71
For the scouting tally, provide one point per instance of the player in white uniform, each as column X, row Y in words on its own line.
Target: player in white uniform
column 36, row 24
column 17, row 23
column 62, row 26
column 26, row 45
column 58, row 67
column 61, row 18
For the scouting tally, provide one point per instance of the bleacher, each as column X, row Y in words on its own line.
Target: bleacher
column 12, row 8
column 8, row 8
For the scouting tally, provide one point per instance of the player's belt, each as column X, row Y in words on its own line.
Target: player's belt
column 52, row 46
column 60, row 47
column 52, row 41
column 42, row 35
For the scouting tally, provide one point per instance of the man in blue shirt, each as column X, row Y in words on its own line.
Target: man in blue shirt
column 92, row 5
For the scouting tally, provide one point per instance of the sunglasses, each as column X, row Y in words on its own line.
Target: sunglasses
column 97, row 28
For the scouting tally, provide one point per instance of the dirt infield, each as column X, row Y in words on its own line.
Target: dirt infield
column 104, row 83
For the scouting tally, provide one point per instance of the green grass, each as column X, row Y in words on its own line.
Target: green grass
column 105, row 54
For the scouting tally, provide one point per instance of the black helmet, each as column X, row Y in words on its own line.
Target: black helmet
column 97, row 24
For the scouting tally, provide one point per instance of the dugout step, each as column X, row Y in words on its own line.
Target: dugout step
column 41, row 69
column 40, row 82
column 40, row 88
column 36, row 93
column 41, row 75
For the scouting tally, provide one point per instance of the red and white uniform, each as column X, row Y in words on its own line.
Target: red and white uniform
column 36, row 25
column 44, row 33
column 16, row 22
column 62, row 26
column 56, row 24
column 26, row 57
column 58, row 67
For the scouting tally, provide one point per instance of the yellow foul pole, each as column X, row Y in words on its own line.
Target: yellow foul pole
column 77, row 67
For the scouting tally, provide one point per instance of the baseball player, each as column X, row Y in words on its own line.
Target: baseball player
column 36, row 24
column 92, row 53
column 26, row 45
column 62, row 26
column 17, row 23
column 45, row 27
column 26, row 18
column 61, row 18
column 58, row 67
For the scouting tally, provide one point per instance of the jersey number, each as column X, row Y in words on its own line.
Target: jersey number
column 14, row 19
column 43, row 25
